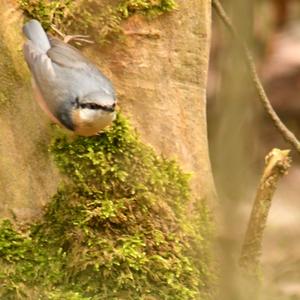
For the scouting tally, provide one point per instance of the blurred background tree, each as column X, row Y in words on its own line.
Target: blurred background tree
column 240, row 134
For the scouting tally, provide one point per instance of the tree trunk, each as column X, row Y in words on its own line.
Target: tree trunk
column 160, row 72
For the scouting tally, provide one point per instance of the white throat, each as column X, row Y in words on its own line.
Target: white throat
column 91, row 121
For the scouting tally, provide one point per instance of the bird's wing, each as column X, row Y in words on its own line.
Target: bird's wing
column 35, row 49
column 42, row 64
column 45, row 78
column 38, row 61
column 66, row 55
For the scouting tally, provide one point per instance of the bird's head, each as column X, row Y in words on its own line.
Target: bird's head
column 93, row 112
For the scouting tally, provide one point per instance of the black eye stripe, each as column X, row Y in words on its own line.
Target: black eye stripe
column 97, row 106
column 90, row 105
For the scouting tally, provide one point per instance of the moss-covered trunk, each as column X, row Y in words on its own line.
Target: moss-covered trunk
column 116, row 228
column 159, row 69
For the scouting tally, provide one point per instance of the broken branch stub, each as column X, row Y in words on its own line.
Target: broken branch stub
column 277, row 163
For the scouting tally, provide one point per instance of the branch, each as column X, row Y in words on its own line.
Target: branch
column 277, row 163
column 284, row 131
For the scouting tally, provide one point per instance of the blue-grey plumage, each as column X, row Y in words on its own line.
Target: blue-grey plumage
column 72, row 91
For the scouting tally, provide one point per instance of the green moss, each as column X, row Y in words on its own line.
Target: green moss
column 62, row 295
column 47, row 12
column 116, row 228
column 145, row 7
column 99, row 19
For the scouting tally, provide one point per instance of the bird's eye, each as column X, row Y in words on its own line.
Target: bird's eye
column 77, row 102
column 93, row 106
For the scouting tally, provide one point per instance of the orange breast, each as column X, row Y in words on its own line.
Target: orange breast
column 40, row 100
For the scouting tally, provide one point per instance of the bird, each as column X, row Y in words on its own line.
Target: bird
column 68, row 87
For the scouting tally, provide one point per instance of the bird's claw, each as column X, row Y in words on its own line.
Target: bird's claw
column 77, row 38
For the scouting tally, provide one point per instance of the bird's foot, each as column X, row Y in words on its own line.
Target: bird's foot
column 77, row 38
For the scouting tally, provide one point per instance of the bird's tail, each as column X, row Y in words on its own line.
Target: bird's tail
column 34, row 31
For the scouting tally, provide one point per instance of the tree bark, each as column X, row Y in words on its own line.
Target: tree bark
column 28, row 177
column 160, row 71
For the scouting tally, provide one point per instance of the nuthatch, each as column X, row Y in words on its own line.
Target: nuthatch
column 68, row 87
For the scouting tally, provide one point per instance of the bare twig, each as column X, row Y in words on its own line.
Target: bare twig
column 284, row 131
column 276, row 165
